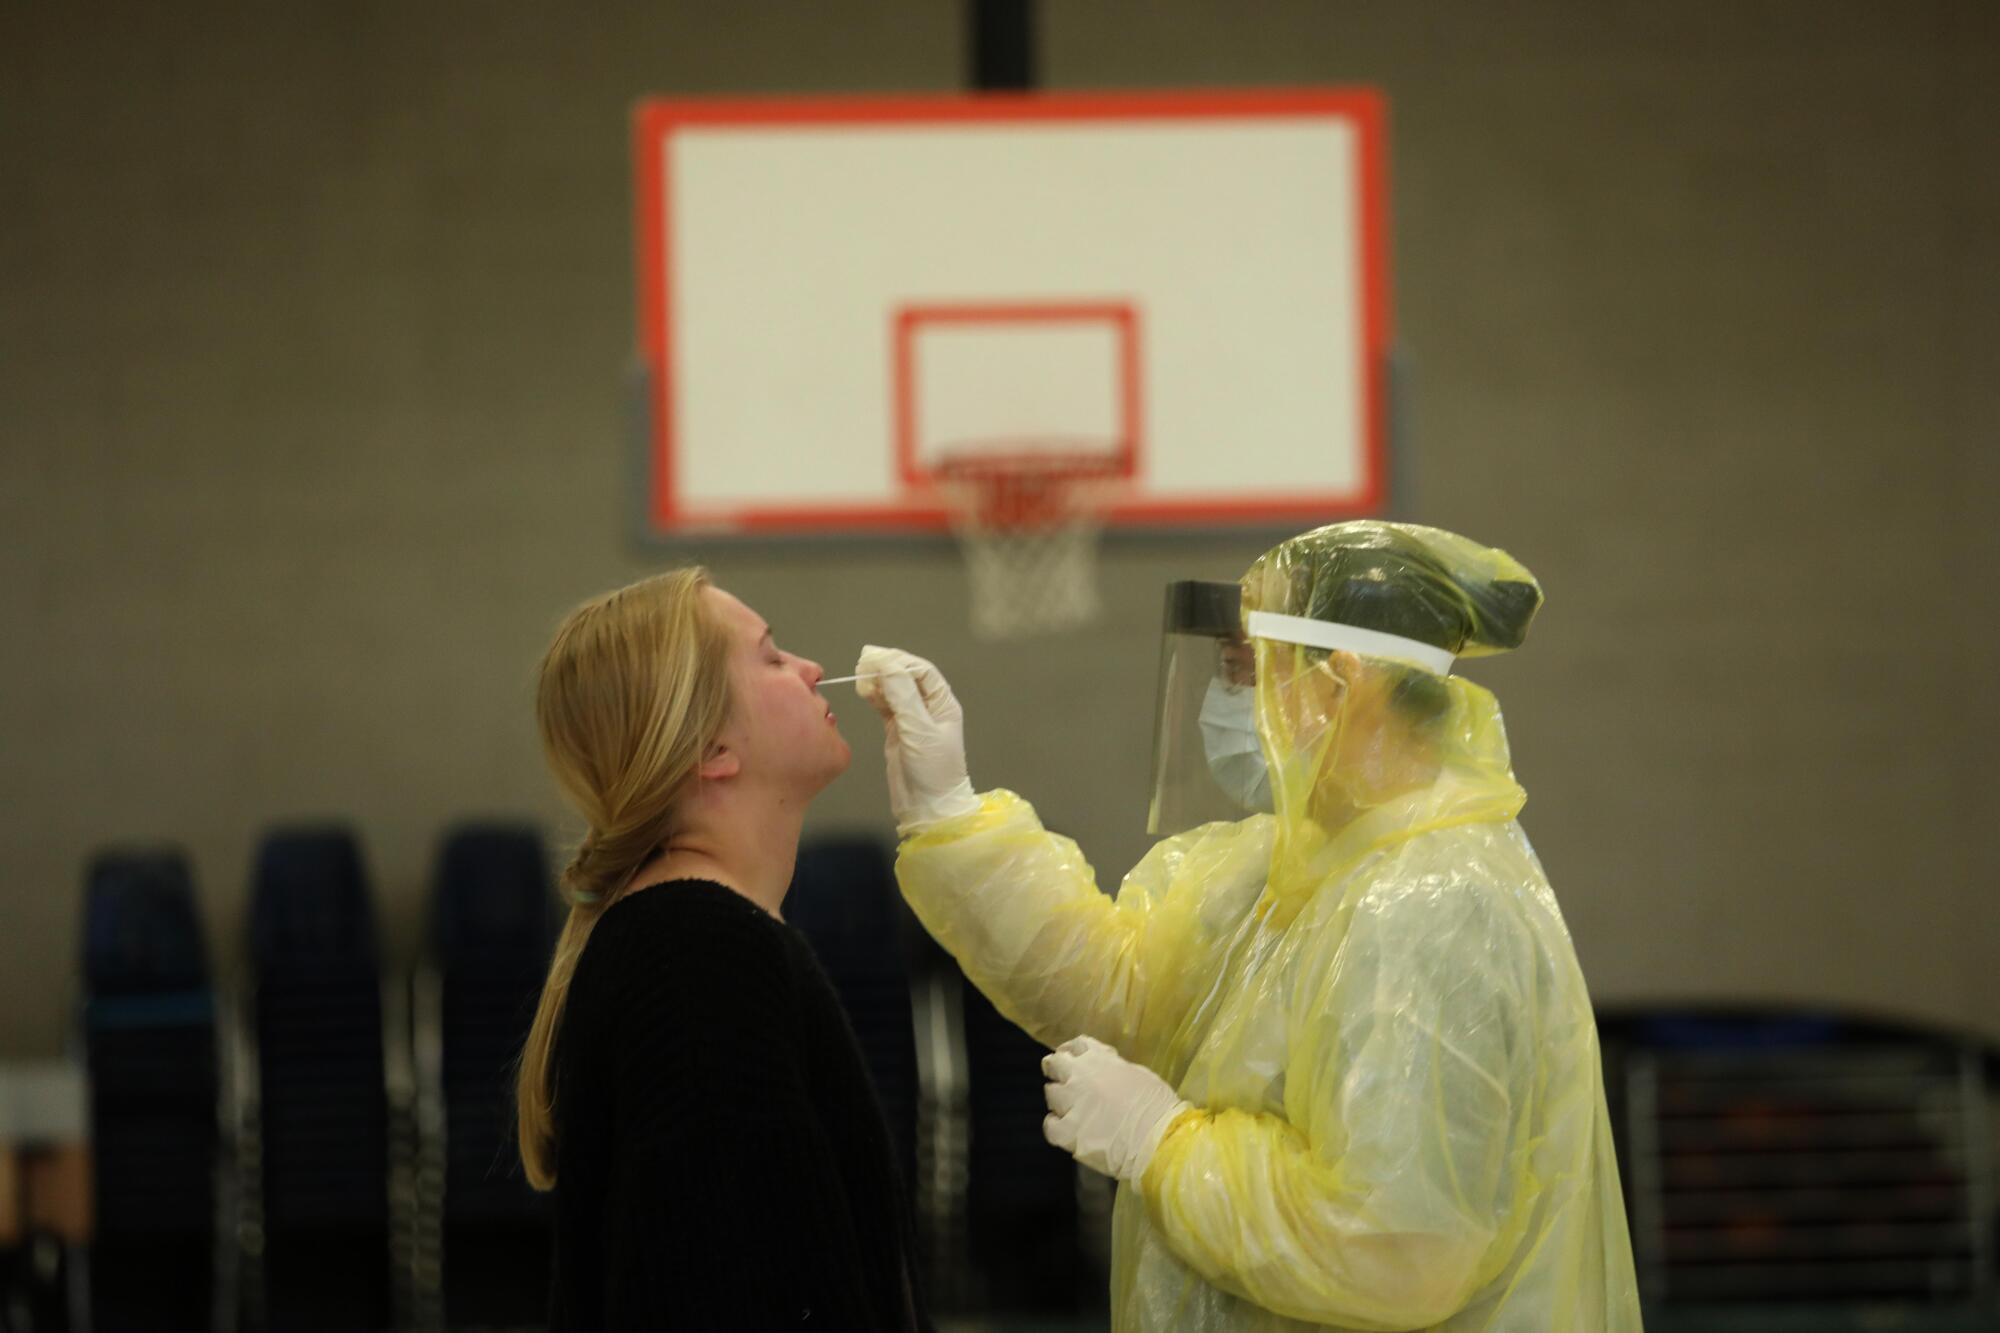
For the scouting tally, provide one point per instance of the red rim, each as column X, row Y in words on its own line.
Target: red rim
column 1022, row 488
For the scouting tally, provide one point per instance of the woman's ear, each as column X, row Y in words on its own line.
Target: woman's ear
column 721, row 762
column 1341, row 669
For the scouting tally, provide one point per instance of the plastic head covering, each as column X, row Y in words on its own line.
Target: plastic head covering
column 1355, row 627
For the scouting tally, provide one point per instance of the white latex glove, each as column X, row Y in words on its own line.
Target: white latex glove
column 925, row 737
column 1105, row 1111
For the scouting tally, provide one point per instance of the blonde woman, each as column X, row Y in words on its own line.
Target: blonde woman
column 691, row 1089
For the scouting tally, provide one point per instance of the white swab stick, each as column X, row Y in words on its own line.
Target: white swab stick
column 866, row 675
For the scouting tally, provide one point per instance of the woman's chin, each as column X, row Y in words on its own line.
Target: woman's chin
column 842, row 755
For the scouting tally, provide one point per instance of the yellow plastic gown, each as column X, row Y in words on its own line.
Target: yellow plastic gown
column 1370, row 998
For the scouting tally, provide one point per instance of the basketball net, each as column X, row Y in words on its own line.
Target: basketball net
column 1028, row 522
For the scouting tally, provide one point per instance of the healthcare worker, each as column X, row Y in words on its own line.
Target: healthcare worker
column 1339, row 1053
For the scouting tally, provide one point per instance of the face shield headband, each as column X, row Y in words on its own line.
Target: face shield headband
column 1310, row 633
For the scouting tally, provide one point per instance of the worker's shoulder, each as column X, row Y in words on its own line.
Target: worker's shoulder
column 1207, row 848
column 1465, row 878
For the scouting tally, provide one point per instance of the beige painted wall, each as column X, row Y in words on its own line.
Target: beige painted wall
column 312, row 331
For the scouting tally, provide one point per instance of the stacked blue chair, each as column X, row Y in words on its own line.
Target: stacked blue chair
column 150, row 1044
column 845, row 901
column 1831, row 1168
column 492, row 929
column 1022, row 1214
column 317, row 1016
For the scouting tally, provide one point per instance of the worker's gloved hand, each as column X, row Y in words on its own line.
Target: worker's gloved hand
column 925, row 741
column 1105, row 1111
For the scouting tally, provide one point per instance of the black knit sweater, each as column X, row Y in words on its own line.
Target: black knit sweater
column 721, row 1159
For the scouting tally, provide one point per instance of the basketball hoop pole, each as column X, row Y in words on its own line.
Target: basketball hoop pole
column 1003, row 45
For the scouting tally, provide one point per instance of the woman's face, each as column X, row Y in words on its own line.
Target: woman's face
column 780, row 726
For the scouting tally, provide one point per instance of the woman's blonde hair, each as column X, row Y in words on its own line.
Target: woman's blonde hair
column 630, row 696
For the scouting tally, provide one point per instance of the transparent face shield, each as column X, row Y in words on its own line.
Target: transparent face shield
column 1207, row 761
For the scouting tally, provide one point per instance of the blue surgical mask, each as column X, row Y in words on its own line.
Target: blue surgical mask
column 1229, row 736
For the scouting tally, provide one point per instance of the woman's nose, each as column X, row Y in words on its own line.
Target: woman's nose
column 815, row 673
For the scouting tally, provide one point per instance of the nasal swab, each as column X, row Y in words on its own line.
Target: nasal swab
column 865, row 675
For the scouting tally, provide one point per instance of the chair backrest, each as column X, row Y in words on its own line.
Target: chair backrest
column 845, row 902
column 1014, row 1170
column 148, row 1026
column 323, row 1106
column 492, row 897
column 149, row 1036
column 1022, row 1216
column 493, row 922
column 310, row 906
column 492, row 929
column 141, row 931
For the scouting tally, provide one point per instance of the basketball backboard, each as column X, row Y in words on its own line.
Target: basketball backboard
column 836, row 295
